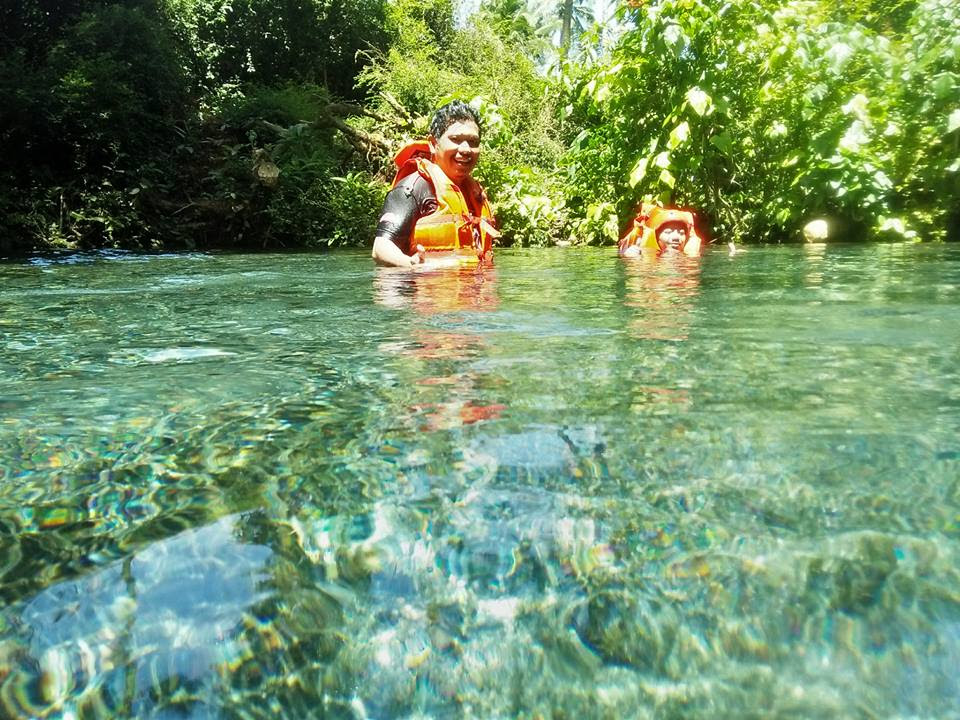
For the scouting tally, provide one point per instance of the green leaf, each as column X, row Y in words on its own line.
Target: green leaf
column 672, row 35
column 857, row 106
column 943, row 84
column 723, row 142
column 837, row 55
column 679, row 135
column 699, row 100
column 854, row 138
column 953, row 122
column 667, row 178
column 611, row 227
column 638, row 172
column 893, row 224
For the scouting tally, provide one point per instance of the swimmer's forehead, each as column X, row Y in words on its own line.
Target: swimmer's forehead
column 674, row 225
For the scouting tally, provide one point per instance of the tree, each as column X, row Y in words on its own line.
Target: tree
column 766, row 115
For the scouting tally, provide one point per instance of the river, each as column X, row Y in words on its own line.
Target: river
column 296, row 485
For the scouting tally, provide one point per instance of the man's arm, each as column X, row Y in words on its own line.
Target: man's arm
column 385, row 252
column 628, row 244
column 411, row 199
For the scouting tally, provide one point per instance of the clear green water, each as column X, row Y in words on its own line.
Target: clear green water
column 297, row 486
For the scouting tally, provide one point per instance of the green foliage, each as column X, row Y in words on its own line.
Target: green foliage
column 287, row 105
column 141, row 123
column 414, row 70
column 87, row 120
column 529, row 203
column 28, row 25
column 264, row 42
column 889, row 16
column 116, row 87
column 510, row 19
column 766, row 115
column 207, row 122
column 351, row 205
column 272, row 128
column 414, row 23
column 313, row 204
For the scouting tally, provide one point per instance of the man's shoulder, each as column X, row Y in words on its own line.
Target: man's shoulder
column 417, row 187
column 412, row 181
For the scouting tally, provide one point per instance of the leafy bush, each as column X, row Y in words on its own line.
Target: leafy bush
column 765, row 115
column 528, row 204
column 285, row 105
column 352, row 207
column 117, row 88
column 88, row 121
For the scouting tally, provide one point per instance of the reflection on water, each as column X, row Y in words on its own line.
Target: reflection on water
column 462, row 289
column 662, row 295
column 438, row 357
column 299, row 486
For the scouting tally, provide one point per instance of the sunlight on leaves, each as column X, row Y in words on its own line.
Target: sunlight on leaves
column 679, row 135
column 854, row 138
column 953, row 122
column 672, row 35
column 857, row 106
column 722, row 142
column 838, row 55
column 638, row 172
column 699, row 100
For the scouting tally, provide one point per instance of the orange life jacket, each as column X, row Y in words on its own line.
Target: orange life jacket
column 462, row 224
column 650, row 219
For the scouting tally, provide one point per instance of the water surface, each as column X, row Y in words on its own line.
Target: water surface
column 296, row 485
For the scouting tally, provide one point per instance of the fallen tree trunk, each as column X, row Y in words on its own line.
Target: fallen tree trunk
column 334, row 115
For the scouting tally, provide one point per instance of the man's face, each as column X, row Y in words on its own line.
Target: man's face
column 458, row 149
column 672, row 235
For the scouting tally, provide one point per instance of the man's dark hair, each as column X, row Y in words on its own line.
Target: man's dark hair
column 455, row 111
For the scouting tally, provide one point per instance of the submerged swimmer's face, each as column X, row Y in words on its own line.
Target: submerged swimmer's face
column 458, row 149
column 672, row 235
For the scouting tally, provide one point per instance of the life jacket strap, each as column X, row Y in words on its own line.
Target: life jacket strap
column 439, row 219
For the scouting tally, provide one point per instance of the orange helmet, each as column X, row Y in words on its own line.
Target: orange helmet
column 661, row 216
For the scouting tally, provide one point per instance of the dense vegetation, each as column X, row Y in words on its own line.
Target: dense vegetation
column 271, row 123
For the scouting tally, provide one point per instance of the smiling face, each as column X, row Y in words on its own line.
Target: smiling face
column 672, row 235
column 457, row 150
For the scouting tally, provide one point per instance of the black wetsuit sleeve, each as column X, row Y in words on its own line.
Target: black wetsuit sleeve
column 405, row 204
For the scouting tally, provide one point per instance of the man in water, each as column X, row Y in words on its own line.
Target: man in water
column 658, row 230
column 436, row 213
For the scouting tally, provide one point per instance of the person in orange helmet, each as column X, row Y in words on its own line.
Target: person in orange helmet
column 657, row 230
